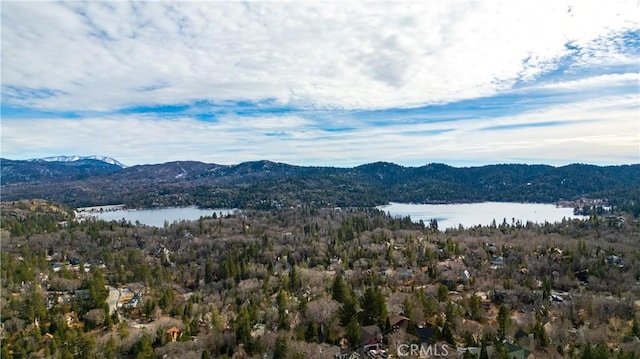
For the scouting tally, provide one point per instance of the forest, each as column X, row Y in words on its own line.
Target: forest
column 268, row 185
column 307, row 282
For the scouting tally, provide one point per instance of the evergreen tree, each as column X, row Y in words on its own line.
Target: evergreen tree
column 349, row 310
column 281, row 348
column 110, row 350
column 243, row 326
column 295, row 281
column 352, row 332
column 311, row 334
column 503, row 321
column 374, row 307
column 443, row 293
column 546, row 287
column 283, row 322
column 339, row 290
column 208, row 271
column 447, row 334
column 483, row 349
column 540, row 334
column 635, row 328
column 143, row 348
column 475, row 308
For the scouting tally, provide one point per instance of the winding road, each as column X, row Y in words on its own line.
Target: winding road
column 112, row 300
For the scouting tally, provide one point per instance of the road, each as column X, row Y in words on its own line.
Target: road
column 112, row 299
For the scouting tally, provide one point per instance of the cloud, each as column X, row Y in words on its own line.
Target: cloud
column 331, row 83
column 590, row 131
column 99, row 56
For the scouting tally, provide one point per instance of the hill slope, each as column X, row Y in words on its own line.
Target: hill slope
column 265, row 184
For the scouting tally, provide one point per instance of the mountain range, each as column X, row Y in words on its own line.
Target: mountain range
column 105, row 159
column 81, row 181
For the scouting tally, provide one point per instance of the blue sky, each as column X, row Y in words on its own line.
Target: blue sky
column 333, row 83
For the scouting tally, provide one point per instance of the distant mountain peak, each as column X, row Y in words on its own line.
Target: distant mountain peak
column 105, row 159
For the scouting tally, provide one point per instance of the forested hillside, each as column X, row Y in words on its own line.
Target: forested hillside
column 264, row 184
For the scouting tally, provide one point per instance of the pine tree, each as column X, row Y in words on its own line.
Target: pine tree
column 339, row 290
column 503, row 321
column 243, row 326
column 349, row 310
column 295, row 282
column 352, row 332
column 208, row 271
column 374, row 307
column 635, row 328
column 281, row 348
column 283, row 322
column 483, row 350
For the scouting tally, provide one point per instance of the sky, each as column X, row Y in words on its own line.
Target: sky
column 333, row 83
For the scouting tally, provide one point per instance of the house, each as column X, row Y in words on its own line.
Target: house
column 520, row 334
column 425, row 333
column 615, row 260
column 134, row 302
column 370, row 334
column 517, row 352
column 582, row 275
column 513, row 351
column 174, row 333
column 347, row 355
column 397, row 321
column 497, row 261
column 83, row 294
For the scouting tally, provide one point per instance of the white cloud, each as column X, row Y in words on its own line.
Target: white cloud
column 604, row 131
column 100, row 55
column 325, row 61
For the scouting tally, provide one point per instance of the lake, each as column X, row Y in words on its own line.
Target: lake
column 156, row 217
column 447, row 215
column 473, row 214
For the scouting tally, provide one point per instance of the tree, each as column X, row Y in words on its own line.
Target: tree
column 352, row 332
column 433, row 224
column 374, row 307
column 295, row 282
column 503, row 321
column 209, row 274
column 546, row 287
column 98, row 291
column 540, row 334
column 143, row 348
column 475, row 308
column 243, row 326
column 110, row 350
column 321, row 312
column 283, row 322
column 86, row 347
column 483, row 349
column 281, row 348
column 447, row 334
column 443, row 293
column 635, row 328
column 339, row 290
column 349, row 310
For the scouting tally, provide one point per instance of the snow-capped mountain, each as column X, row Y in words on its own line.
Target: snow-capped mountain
column 105, row 159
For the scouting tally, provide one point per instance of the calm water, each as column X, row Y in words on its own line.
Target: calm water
column 157, row 217
column 447, row 215
column 473, row 214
